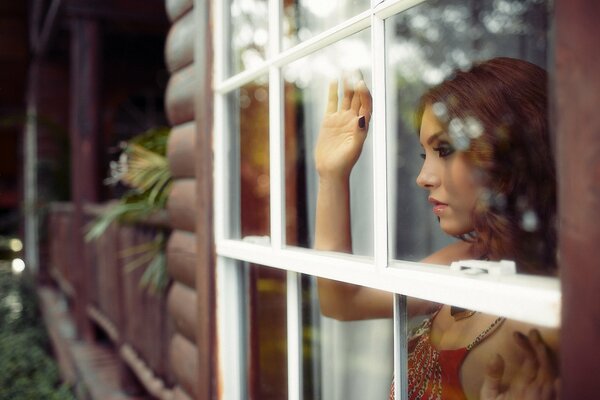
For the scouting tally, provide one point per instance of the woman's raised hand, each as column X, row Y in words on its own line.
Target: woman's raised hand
column 343, row 130
column 535, row 379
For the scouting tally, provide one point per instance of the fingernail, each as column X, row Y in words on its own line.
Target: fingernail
column 361, row 122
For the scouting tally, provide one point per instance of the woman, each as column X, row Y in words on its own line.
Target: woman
column 489, row 171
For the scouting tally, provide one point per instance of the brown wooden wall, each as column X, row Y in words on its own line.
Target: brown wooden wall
column 182, row 204
column 577, row 93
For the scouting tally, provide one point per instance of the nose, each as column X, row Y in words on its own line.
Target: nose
column 427, row 178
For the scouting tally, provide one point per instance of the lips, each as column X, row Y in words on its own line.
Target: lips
column 438, row 206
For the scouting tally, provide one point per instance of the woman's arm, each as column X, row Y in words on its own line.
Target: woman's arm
column 339, row 145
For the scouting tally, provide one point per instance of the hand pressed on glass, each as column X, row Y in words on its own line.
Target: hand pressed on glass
column 536, row 378
column 343, row 130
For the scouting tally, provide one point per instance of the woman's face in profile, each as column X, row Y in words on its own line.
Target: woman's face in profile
column 450, row 179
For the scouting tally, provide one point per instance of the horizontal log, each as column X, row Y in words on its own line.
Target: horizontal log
column 179, row 47
column 177, row 8
column 181, row 149
column 181, row 205
column 181, row 303
column 181, row 257
column 180, row 394
column 183, row 356
column 180, row 96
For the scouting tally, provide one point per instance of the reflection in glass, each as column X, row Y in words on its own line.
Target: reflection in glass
column 306, row 83
column 304, row 19
column 249, row 130
column 249, row 34
column 343, row 360
column 266, row 329
column 424, row 45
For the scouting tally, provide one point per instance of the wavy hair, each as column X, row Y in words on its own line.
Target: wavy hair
column 499, row 108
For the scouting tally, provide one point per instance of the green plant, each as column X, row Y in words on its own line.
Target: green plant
column 27, row 372
column 144, row 169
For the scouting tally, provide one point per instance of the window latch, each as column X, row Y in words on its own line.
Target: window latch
column 476, row 267
column 262, row 240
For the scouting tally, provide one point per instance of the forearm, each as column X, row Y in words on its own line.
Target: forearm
column 332, row 224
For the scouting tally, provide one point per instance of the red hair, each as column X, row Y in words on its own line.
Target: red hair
column 511, row 150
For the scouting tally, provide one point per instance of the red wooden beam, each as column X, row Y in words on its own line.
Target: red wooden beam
column 577, row 93
column 84, row 131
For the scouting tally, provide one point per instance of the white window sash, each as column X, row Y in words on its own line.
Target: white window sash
column 531, row 299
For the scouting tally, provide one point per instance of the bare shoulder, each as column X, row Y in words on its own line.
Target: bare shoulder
column 453, row 252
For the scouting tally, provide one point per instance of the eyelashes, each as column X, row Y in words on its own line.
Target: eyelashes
column 443, row 149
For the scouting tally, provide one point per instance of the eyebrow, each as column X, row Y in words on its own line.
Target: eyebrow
column 434, row 137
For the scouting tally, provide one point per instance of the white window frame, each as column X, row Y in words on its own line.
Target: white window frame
column 531, row 299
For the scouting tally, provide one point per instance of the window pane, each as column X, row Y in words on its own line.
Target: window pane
column 349, row 360
column 451, row 348
column 249, row 159
column 424, row 46
column 307, row 18
column 248, row 34
column 306, row 85
column 266, row 332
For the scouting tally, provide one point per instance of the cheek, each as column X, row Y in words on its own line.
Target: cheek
column 464, row 182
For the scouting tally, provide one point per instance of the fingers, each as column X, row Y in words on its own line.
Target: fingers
column 366, row 102
column 529, row 368
column 332, row 99
column 356, row 99
column 547, row 364
column 492, row 381
column 348, row 95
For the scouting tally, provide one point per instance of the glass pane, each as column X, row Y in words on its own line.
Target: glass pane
column 344, row 360
column 248, row 34
column 451, row 348
column 249, row 159
column 266, row 332
column 306, row 85
column 304, row 19
column 426, row 45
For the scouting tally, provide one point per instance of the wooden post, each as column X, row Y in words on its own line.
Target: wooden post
column 577, row 93
column 205, row 250
column 84, row 131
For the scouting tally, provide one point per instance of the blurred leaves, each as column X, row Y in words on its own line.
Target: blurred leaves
column 143, row 168
column 26, row 369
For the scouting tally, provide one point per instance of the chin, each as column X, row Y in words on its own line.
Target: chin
column 455, row 229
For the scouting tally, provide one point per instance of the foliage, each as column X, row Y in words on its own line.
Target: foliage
column 27, row 372
column 143, row 168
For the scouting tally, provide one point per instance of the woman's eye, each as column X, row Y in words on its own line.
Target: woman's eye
column 422, row 155
column 444, row 150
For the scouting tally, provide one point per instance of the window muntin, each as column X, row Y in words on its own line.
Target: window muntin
column 504, row 295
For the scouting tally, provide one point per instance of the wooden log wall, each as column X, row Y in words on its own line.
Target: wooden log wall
column 181, row 248
column 146, row 326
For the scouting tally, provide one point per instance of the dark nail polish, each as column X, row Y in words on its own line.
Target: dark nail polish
column 361, row 122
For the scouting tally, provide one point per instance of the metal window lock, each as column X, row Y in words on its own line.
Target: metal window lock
column 262, row 240
column 476, row 267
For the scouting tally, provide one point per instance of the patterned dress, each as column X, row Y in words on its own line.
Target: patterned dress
column 435, row 374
